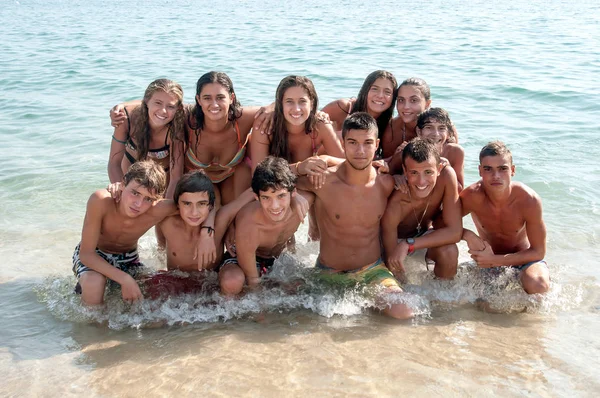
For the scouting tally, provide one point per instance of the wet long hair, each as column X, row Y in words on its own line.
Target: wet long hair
column 360, row 105
column 235, row 109
column 279, row 138
column 140, row 129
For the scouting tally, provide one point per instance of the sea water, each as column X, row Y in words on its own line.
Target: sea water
column 525, row 72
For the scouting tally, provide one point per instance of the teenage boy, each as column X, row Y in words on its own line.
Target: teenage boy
column 508, row 217
column 111, row 229
column 263, row 227
column 408, row 222
column 349, row 206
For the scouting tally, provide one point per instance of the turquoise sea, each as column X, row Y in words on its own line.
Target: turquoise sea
column 525, row 72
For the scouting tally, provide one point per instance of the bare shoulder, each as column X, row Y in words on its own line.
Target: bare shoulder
column 100, row 198
column 163, row 208
column 100, row 203
column 525, row 195
column 245, row 217
column 472, row 194
column 398, row 198
column 324, row 127
column 339, row 108
column 170, row 222
column 257, row 137
column 454, row 149
column 386, row 181
column 448, row 175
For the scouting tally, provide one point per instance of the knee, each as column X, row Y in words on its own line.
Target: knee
column 536, row 284
column 446, row 261
column 399, row 311
column 92, row 287
column 231, row 281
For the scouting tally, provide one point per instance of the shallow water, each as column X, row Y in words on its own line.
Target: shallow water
column 523, row 72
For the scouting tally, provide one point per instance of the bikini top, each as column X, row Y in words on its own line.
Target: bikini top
column 215, row 171
column 158, row 154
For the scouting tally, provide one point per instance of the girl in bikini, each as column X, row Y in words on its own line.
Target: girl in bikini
column 218, row 131
column 377, row 97
column 298, row 134
column 150, row 130
column 413, row 97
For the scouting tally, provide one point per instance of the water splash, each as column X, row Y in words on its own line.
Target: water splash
column 292, row 287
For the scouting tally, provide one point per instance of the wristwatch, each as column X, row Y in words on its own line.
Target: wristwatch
column 411, row 245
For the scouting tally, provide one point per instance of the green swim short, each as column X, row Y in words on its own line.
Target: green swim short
column 373, row 274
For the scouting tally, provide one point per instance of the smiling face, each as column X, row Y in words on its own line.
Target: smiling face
column 214, row 99
column 275, row 203
column 136, row 199
column 380, row 96
column 410, row 103
column 435, row 132
column 360, row 147
column 162, row 108
column 194, row 207
column 296, row 106
column 421, row 177
column 496, row 172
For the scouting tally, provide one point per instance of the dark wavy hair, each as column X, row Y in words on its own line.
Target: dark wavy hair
column 194, row 181
column 273, row 173
column 439, row 115
column 140, row 128
column 279, row 140
column 360, row 105
column 235, row 109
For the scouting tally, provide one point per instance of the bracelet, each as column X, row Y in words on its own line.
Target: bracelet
column 118, row 140
column 298, row 170
column 211, row 230
column 411, row 245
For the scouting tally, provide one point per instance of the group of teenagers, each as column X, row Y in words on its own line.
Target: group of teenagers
column 227, row 186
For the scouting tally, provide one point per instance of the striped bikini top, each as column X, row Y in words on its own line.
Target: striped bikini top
column 215, row 171
column 156, row 154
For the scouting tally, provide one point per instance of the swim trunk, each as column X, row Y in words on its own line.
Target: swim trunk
column 529, row 264
column 373, row 274
column 126, row 262
column 263, row 264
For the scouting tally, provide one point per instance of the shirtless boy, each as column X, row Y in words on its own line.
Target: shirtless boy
column 508, row 217
column 111, row 229
column 263, row 227
column 408, row 220
column 349, row 206
column 194, row 196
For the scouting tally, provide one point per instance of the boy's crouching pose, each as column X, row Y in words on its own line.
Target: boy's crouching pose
column 111, row 229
